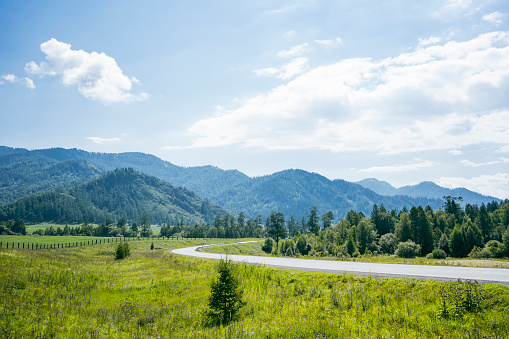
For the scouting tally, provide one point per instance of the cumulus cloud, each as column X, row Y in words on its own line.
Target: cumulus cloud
column 14, row 79
column 289, row 70
column 10, row 78
column 496, row 185
column 97, row 75
column 294, row 51
column 29, row 83
column 494, row 18
column 441, row 97
column 412, row 166
column 99, row 140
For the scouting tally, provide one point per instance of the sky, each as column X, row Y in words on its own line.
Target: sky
column 401, row 91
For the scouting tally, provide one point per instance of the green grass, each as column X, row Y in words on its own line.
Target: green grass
column 84, row 293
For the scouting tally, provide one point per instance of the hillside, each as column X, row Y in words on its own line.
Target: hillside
column 426, row 189
column 121, row 192
column 293, row 192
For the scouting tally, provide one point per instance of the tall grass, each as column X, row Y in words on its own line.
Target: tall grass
column 84, row 293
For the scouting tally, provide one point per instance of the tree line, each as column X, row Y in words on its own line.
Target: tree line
column 474, row 231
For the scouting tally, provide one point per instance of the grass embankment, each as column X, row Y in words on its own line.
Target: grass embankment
column 84, row 293
column 256, row 249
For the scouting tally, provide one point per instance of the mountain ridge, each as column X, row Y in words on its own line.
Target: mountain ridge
column 293, row 191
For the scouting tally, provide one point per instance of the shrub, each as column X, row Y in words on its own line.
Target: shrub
column 226, row 294
column 387, row 243
column 268, row 245
column 408, row 249
column 303, row 246
column 123, row 251
column 438, row 254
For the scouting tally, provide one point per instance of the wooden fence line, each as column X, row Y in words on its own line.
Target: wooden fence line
column 82, row 243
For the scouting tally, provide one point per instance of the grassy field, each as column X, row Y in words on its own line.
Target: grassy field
column 256, row 249
column 84, row 293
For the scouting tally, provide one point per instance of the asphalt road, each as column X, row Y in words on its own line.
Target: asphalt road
column 441, row 273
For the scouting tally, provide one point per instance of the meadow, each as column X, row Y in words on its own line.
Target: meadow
column 84, row 293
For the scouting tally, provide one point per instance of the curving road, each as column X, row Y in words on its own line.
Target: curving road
column 441, row 273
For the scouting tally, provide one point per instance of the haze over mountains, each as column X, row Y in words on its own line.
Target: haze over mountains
column 293, row 192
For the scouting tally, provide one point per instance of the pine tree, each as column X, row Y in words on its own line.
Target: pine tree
column 226, row 294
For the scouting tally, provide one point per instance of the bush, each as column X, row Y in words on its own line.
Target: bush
column 226, row 294
column 123, row 251
column 287, row 247
column 387, row 243
column 408, row 249
column 439, row 254
column 268, row 245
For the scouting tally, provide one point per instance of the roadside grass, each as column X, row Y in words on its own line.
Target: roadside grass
column 84, row 293
column 256, row 249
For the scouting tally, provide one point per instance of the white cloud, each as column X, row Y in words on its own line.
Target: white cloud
column 494, row 18
column 496, row 185
column 412, row 166
column 440, row 97
column 480, row 164
column 99, row 140
column 289, row 70
column 336, row 41
column 96, row 75
column 29, row 83
column 10, row 78
column 432, row 40
column 295, row 50
column 456, row 152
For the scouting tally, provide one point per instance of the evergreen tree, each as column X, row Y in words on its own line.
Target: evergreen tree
column 484, row 223
column 403, row 228
column 276, row 227
column 226, row 294
column 145, row 224
column 313, row 225
column 327, row 220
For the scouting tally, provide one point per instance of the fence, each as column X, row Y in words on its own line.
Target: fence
column 36, row 246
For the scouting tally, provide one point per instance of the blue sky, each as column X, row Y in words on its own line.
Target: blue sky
column 402, row 91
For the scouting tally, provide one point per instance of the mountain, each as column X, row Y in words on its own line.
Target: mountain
column 426, row 189
column 121, row 192
column 293, row 192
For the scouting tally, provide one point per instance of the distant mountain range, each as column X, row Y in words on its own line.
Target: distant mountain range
column 293, row 192
column 426, row 189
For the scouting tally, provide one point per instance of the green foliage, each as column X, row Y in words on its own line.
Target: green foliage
column 268, row 245
column 276, row 227
column 225, row 294
column 439, row 254
column 122, row 251
column 387, row 243
column 462, row 297
column 408, row 249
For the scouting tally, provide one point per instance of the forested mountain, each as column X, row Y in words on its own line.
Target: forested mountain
column 293, row 192
column 119, row 193
column 426, row 189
